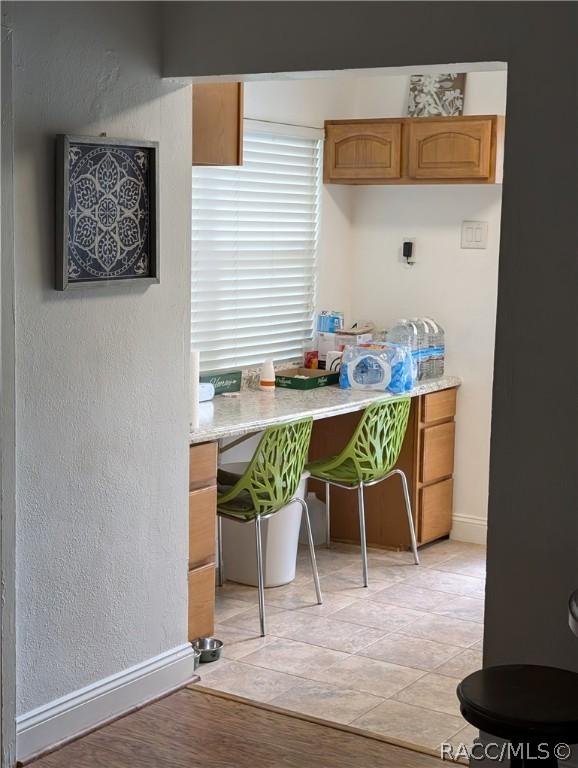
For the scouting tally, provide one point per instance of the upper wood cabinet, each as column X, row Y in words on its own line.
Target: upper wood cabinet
column 218, row 124
column 362, row 151
column 459, row 149
column 423, row 150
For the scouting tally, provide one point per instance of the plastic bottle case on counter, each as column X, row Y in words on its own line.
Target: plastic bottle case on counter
column 379, row 366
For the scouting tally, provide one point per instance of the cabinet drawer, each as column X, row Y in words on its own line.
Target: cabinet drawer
column 202, row 526
column 450, row 149
column 202, row 465
column 362, row 151
column 439, row 405
column 201, row 601
column 435, row 511
column 437, row 459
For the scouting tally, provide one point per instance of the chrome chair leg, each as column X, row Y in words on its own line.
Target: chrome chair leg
column 409, row 515
column 362, row 537
column 221, row 571
column 312, row 552
column 327, row 516
column 260, row 576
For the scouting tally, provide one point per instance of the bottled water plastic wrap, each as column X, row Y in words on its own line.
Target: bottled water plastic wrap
column 380, row 366
column 404, row 333
column 425, row 339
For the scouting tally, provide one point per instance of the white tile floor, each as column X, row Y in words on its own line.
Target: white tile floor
column 385, row 659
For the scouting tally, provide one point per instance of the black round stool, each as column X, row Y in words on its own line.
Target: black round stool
column 533, row 708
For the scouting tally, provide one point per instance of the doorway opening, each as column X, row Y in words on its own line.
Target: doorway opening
column 386, row 658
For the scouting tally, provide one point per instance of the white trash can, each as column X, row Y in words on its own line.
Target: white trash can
column 280, row 540
column 318, row 522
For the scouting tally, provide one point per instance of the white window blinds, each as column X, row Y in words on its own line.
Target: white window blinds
column 254, row 240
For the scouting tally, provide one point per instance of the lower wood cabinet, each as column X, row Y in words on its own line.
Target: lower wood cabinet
column 202, row 465
column 202, row 529
column 202, row 601
column 202, row 522
column 427, row 458
column 439, row 406
column 437, row 447
column 435, row 510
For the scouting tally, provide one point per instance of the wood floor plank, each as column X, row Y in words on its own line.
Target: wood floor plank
column 193, row 730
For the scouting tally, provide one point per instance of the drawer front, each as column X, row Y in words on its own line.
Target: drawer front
column 435, row 511
column 202, row 465
column 450, row 149
column 439, row 405
column 358, row 151
column 202, row 526
column 201, row 601
column 437, row 452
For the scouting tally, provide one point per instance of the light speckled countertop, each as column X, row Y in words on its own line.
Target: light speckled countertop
column 254, row 410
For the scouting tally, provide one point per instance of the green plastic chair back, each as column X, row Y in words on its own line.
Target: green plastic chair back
column 374, row 448
column 274, row 473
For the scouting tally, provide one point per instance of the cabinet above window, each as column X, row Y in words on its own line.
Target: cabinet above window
column 218, row 124
column 441, row 150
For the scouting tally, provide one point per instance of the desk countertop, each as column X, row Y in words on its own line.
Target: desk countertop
column 253, row 410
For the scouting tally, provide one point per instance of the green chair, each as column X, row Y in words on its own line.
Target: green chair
column 268, row 484
column 368, row 459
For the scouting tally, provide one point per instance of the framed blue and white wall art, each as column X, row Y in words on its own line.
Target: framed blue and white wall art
column 106, row 211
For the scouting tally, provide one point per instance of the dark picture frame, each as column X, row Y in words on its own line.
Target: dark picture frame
column 107, row 211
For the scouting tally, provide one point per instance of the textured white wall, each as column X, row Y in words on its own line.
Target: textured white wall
column 456, row 287
column 102, row 415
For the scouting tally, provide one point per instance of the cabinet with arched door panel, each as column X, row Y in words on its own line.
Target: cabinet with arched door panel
column 423, row 150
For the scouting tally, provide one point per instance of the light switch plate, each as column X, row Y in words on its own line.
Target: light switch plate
column 474, row 234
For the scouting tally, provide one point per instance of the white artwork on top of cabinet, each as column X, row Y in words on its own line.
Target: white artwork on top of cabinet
column 436, row 95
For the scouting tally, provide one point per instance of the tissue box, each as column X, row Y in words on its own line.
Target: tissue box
column 305, row 378
column 223, row 381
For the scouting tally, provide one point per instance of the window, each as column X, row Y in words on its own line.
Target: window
column 254, row 240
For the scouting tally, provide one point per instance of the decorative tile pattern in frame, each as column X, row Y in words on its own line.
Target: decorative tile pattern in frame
column 435, row 95
column 107, row 211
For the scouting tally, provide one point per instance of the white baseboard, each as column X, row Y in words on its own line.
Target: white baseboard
column 470, row 529
column 63, row 719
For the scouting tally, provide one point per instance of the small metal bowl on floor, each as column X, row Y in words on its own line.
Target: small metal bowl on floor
column 210, row 648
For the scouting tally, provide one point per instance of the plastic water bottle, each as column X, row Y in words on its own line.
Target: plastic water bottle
column 438, row 348
column 423, row 349
column 404, row 333
column 430, row 356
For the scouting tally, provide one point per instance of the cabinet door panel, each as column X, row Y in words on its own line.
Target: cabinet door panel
column 363, row 151
column 450, row 148
column 218, row 124
column 435, row 511
column 202, row 526
column 437, row 452
column 201, row 601
column 439, row 405
column 202, row 465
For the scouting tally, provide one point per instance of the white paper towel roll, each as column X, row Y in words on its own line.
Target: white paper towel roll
column 195, row 363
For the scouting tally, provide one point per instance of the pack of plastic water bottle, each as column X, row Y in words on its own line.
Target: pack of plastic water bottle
column 425, row 339
column 380, row 366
